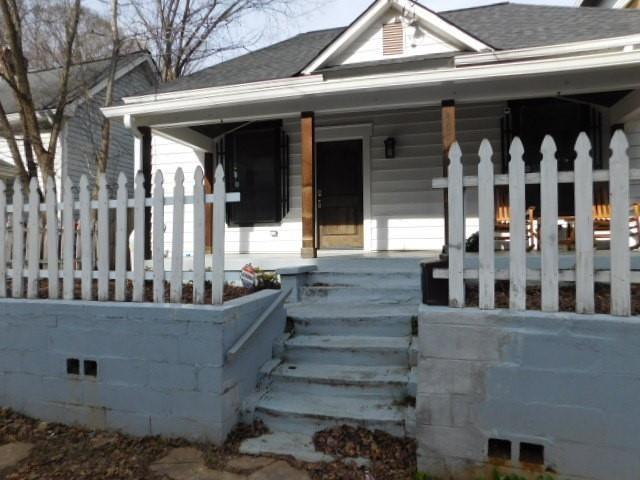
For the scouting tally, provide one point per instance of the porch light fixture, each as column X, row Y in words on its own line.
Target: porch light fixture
column 390, row 148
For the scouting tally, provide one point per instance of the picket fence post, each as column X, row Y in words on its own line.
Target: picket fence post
column 549, row 228
column 33, row 239
column 121, row 239
column 158, row 238
column 52, row 239
column 219, row 221
column 619, row 199
column 177, row 248
column 3, row 236
column 68, row 241
column 103, row 239
column 198, row 237
column 456, row 245
column 583, row 192
column 17, row 257
column 486, row 214
column 138, row 239
column 86, row 239
column 517, row 229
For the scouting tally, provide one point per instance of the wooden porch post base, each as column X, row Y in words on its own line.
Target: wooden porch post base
column 448, row 112
column 307, row 127
column 309, row 253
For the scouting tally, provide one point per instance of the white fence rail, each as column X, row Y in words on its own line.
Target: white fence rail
column 73, row 240
column 549, row 276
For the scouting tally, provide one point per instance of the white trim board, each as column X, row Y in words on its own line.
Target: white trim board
column 296, row 88
column 430, row 19
column 354, row 132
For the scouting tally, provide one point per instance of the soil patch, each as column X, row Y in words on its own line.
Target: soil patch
column 230, row 291
column 567, row 297
column 70, row 453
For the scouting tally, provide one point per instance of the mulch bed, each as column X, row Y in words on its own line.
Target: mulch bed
column 230, row 291
column 391, row 458
column 567, row 297
column 73, row 453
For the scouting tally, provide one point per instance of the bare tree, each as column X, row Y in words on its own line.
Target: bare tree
column 103, row 153
column 181, row 34
column 44, row 41
column 14, row 71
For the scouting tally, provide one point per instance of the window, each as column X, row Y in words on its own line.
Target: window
column 393, row 39
column 531, row 120
column 256, row 160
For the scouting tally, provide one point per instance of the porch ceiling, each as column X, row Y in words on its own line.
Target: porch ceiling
column 230, row 111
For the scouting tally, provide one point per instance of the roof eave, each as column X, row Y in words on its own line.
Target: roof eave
column 298, row 88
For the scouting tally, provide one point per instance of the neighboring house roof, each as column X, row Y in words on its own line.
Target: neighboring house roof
column 502, row 26
column 83, row 76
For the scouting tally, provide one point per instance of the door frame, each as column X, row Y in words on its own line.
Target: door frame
column 336, row 133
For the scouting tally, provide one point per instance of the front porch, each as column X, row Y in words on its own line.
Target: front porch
column 354, row 169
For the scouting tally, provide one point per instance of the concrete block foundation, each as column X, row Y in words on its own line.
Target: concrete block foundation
column 144, row 369
column 528, row 392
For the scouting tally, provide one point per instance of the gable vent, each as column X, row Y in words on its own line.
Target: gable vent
column 393, row 39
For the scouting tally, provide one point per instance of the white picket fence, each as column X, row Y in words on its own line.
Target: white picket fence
column 549, row 276
column 61, row 259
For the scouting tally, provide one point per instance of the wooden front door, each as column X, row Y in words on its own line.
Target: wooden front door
column 339, row 194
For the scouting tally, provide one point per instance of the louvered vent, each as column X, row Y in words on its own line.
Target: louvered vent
column 393, row 39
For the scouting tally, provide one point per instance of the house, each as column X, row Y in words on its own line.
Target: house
column 79, row 140
column 333, row 137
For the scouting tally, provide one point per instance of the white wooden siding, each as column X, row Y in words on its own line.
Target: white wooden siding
column 168, row 156
column 406, row 213
column 5, row 155
column 369, row 46
column 632, row 129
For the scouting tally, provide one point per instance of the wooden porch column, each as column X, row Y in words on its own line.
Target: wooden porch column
column 448, row 110
column 307, row 128
column 209, row 167
column 146, row 167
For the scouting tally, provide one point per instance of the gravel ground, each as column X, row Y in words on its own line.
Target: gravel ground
column 70, row 453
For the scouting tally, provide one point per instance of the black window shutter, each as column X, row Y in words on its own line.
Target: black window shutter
column 256, row 165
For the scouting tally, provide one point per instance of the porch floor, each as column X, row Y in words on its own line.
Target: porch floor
column 335, row 260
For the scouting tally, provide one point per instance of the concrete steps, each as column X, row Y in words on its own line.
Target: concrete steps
column 353, row 319
column 350, row 295
column 341, row 380
column 284, row 412
column 347, row 350
column 347, row 361
column 365, row 278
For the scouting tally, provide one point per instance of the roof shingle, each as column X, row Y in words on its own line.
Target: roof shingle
column 502, row 26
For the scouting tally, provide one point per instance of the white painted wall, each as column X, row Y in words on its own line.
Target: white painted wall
column 406, row 213
column 633, row 132
column 168, row 156
column 5, row 154
column 418, row 41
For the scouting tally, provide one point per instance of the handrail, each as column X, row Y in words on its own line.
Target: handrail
column 246, row 336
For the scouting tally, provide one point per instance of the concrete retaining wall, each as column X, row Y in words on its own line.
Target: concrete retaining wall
column 161, row 369
column 564, row 388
